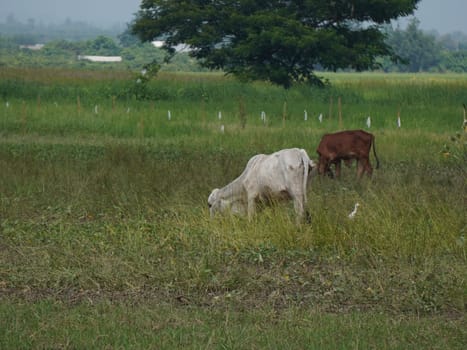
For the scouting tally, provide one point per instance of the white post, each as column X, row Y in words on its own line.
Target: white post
column 464, row 124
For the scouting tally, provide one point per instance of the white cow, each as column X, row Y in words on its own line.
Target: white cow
column 281, row 175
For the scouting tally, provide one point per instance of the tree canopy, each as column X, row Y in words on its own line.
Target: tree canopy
column 281, row 41
column 419, row 50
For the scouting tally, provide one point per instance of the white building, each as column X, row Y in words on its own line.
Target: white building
column 100, row 58
column 34, row 47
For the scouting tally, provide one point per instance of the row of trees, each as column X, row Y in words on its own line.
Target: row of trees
column 420, row 52
column 64, row 53
column 425, row 52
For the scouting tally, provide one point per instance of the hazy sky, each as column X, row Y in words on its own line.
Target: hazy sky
column 444, row 16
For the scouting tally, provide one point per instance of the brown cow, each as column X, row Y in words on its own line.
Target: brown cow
column 346, row 146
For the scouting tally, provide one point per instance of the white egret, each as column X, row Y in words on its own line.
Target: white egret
column 354, row 211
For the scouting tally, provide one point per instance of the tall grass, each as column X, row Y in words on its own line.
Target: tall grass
column 104, row 220
column 424, row 102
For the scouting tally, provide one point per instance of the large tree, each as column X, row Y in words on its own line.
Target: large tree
column 281, row 41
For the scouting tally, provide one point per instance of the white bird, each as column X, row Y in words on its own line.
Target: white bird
column 222, row 128
column 305, row 115
column 398, row 122
column 169, row 115
column 368, row 122
column 263, row 116
column 464, row 125
column 354, row 211
column 219, row 115
column 320, row 118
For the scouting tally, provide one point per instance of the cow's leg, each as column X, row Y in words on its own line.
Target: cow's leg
column 251, row 206
column 300, row 204
column 322, row 166
column 338, row 168
column 302, row 214
column 298, row 207
column 366, row 167
column 328, row 171
column 361, row 167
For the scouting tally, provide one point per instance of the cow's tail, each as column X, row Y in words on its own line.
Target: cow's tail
column 374, row 152
column 306, row 169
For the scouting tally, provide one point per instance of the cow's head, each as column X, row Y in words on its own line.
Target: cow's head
column 324, row 166
column 218, row 204
column 213, row 201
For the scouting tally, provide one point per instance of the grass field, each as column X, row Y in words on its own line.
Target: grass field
column 106, row 240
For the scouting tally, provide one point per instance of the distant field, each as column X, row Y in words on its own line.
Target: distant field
column 106, row 241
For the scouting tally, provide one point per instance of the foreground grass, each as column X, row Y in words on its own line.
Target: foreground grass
column 152, row 325
column 113, row 252
column 105, row 239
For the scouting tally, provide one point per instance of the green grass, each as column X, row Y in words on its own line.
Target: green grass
column 106, row 241
column 105, row 324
